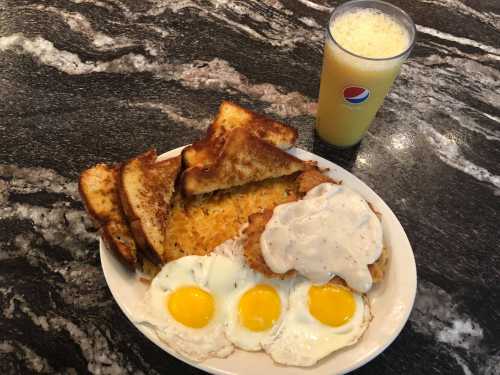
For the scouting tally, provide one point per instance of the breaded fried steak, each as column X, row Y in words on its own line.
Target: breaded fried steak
column 253, row 255
column 257, row 224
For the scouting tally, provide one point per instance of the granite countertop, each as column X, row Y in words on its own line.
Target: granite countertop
column 85, row 81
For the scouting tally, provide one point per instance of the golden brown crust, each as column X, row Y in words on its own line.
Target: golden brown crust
column 98, row 188
column 244, row 158
column 117, row 237
column 146, row 189
column 202, row 153
column 378, row 269
column 311, row 178
column 232, row 116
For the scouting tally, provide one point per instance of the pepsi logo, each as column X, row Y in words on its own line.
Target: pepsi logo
column 356, row 94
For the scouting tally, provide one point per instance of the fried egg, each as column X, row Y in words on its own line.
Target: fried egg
column 256, row 310
column 186, row 305
column 320, row 320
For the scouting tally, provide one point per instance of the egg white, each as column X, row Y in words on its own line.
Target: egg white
column 238, row 334
column 214, row 274
column 302, row 340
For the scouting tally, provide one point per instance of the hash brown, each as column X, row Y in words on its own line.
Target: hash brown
column 199, row 224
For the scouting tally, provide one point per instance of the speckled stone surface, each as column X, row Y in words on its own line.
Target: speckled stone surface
column 84, row 81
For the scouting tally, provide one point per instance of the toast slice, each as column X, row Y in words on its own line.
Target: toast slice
column 244, row 158
column 118, row 238
column 202, row 153
column 98, row 188
column 230, row 117
column 146, row 188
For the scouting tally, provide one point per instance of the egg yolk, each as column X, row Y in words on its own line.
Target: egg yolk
column 332, row 305
column 191, row 306
column 259, row 308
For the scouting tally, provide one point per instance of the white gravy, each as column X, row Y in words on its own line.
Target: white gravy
column 332, row 231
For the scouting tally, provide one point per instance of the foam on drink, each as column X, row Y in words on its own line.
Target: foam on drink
column 370, row 33
column 360, row 63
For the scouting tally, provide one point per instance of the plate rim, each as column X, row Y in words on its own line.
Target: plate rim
column 104, row 254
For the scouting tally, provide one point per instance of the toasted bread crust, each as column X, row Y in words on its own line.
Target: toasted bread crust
column 244, row 158
column 98, row 188
column 230, row 117
column 117, row 237
column 126, row 169
column 146, row 189
column 202, row 153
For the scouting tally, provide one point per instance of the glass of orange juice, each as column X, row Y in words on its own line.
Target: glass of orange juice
column 366, row 43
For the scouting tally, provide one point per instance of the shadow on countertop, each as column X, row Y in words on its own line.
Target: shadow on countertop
column 345, row 157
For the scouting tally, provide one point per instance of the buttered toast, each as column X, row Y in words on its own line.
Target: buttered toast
column 99, row 190
column 230, row 117
column 146, row 188
column 243, row 158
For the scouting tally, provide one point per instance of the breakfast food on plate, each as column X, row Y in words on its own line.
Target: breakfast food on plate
column 230, row 117
column 146, row 188
column 320, row 319
column 258, row 249
column 254, row 258
column 186, row 305
column 256, row 310
column 98, row 187
column 242, row 159
column 311, row 178
column 253, row 253
column 204, row 306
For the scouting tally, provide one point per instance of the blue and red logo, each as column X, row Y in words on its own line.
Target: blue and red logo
column 356, row 94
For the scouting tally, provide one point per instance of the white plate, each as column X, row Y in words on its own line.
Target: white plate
column 391, row 301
